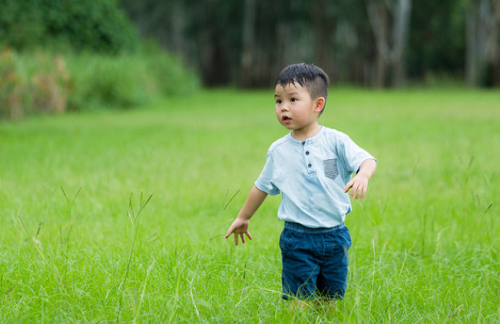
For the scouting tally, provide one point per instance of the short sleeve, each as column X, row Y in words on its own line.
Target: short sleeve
column 264, row 182
column 354, row 155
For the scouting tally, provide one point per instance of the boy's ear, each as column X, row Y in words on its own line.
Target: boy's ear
column 319, row 104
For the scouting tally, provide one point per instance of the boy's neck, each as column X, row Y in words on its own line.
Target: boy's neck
column 304, row 134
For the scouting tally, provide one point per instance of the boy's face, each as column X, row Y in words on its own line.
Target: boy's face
column 295, row 109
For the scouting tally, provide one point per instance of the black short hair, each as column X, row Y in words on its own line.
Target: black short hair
column 309, row 76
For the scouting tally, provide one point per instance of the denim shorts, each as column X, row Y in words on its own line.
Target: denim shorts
column 315, row 261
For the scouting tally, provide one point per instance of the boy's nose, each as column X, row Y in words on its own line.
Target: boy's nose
column 284, row 108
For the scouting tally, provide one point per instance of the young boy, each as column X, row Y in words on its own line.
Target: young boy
column 311, row 167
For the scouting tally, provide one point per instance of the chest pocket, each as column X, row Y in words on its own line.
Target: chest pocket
column 331, row 168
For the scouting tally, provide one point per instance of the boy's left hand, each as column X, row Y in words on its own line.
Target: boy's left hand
column 359, row 185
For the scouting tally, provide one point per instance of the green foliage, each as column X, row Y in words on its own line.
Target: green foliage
column 437, row 38
column 80, row 25
column 172, row 77
column 336, row 35
column 425, row 239
column 40, row 84
column 106, row 81
column 10, row 86
column 126, row 81
column 44, row 82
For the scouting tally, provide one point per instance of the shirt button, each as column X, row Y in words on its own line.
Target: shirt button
column 309, row 165
column 307, row 152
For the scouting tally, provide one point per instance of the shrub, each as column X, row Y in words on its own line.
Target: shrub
column 127, row 80
column 10, row 87
column 80, row 25
column 171, row 76
column 48, row 83
column 105, row 81
column 25, row 90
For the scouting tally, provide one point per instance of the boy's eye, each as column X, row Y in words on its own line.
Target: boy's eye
column 293, row 100
column 278, row 101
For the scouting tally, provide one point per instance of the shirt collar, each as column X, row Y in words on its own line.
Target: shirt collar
column 308, row 141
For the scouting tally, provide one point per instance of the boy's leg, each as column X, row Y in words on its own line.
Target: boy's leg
column 300, row 266
column 332, row 280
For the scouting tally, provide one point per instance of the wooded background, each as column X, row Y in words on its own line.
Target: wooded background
column 372, row 43
column 376, row 43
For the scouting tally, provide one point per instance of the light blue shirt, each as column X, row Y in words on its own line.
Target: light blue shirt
column 311, row 176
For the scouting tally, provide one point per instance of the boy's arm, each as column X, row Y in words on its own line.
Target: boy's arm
column 359, row 183
column 240, row 225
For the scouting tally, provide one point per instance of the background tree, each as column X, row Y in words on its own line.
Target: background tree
column 483, row 43
column 437, row 42
column 376, row 43
column 99, row 26
column 390, row 24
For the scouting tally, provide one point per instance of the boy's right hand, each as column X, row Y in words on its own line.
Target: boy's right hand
column 239, row 228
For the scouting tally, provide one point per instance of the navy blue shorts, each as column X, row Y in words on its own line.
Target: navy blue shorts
column 315, row 261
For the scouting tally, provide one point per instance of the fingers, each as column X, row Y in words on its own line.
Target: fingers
column 247, row 233
column 363, row 192
column 229, row 232
column 354, row 192
column 240, row 229
column 241, row 235
column 348, row 186
column 358, row 190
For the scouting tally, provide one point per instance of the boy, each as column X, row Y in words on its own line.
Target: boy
column 311, row 167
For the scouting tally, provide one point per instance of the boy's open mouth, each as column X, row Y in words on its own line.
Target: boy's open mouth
column 286, row 119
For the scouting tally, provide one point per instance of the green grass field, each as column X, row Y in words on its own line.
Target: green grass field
column 81, row 242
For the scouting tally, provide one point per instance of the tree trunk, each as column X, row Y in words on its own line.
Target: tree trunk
column 247, row 53
column 483, row 49
column 178, row 25
column 212, row 53
column 213, row 59
column 477, row 17
column 402, row 10
column 493, row 43
column 323, row 29
column 471, row 55
column 377, row 14
column 382, row 54
column 390, row 53
column 284, row 48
